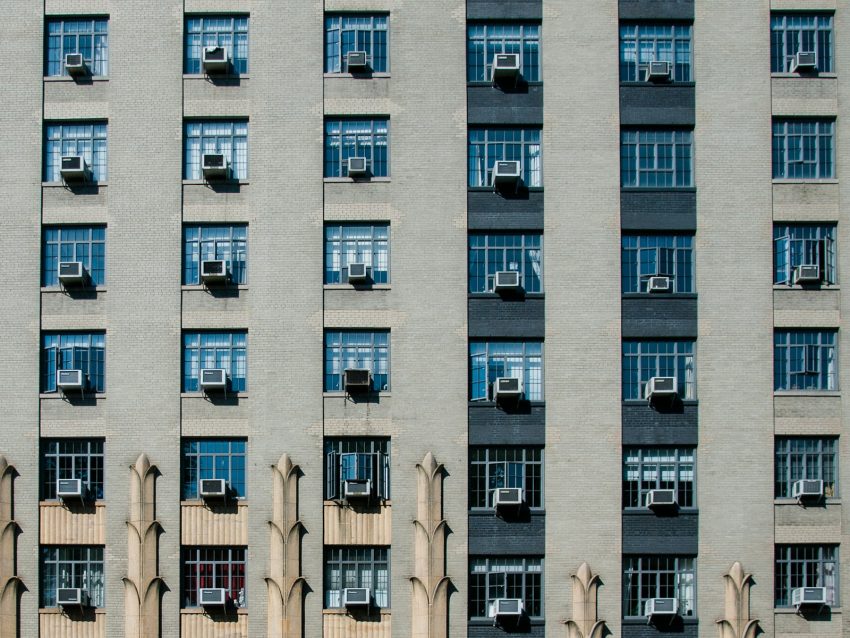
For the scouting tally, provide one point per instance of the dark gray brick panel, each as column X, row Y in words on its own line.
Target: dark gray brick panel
column 487, row 210
column 643, row 425
column 680, row 628
column 487, row 630
column 489, row 425
column 657, row 10
column 662, row 210
column 504, row 9
column 659, row 316
column 657, row 105
column 487, row 104
column 492, row 316
column 491, row 535
column 648, row 533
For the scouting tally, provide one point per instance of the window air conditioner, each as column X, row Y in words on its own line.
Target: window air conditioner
column 214, row 166
column 506, row 173
column 212, row 488
column 72, row 273
column 659, row 71
column 507, row 281
column 507, row 498
column 73, row 168
column 661, row 499
column 809, row 274
column 659, row 284
column 661, row 607
column 804, row 61
column 72, row 597
column 805, row 596
column 216, row 59
column 70, row 489
column 507, row 389
column 358, row 273
column 357, row 167
column 212, row 597
column 807, row 489
column 507, row 609
column 356, row 61
column 658, row 387
column 505, row 65
column 75, row 64
column 357, row 597
column 357, row 380
column 69, row 380
column 212, row 379
column 358, row 489
column 213, row 270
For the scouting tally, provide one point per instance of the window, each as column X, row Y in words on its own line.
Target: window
column 72, row 459
column 647, row 469
column 354, row 32
column 803, row 149
column 213, row 459
column 86, row 244
column 641, row 44
column 484, row 41
column 505, row 577
column 227, row 350
column 216, row 31
column 88, row 36
column 356, row 138
column 352, row 459
column 76, row 566
column 803, row 245
column 357, row 243
column 494, row 359
column 799, row 458
column 646, row 256
column 496, row 467
column 643, row 360
column 214, row 567
column 216, row 136
column 201, row 243
column 357, row 349
column 646, row 577
column 804, row 360
column 73, row 351
column 488, row 146
column 354, row 566
column 656, row 159
column 791, row 33
column 806, row 566
column 87, row 139
column 489, row 254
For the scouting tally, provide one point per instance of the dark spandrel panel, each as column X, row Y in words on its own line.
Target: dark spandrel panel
column 493, row 316
column 488, row 210
column 657, row 105
column 523, row 425
column 649, row 533
column 669, row 316
column 520, row 534
column 643, row 425
column 663, row 210
column 515, row 106
column 656, row 9
column 504, row 9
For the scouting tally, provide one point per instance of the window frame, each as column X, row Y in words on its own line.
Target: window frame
column 379, row 470
column 638, row 460
column 193, row 557
column 92, row 145
column 373, row 253
column 641, row 577
column 630, row 71
column 489, row 151
column 339, row 60
column 491, row 254
column 235, row 258
column 238, row 67
column 192, row 465
column 784, row 578
column 330, row 363
column 823, row 246
column 799, row 458
column 501, row 45
column 335, row 556
column 99, row 68
column 681, row 145
column 233, row 359
column 680, row 256
column 488, row 359
column 88, row 465
column 531, row 567
column 531, row 473
column 782, row 53
column 339, row 151
column 686, row 391
column 782, row 148
column 52, row 252
column 83, row 570
column 192, row 170
column 92, row 359
column 812, row 354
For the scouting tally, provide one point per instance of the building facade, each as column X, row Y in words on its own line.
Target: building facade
column 362, row 319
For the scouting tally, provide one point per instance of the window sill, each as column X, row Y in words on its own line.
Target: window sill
column 488, row 511
column 75, row 185
column 534, row 621
column 59, row 289
column 658, row 189
column 825, row 180
column 491, row 189
column 687, row 402
column 359, row 76
column 187, row 611
column 495, row 295
column 793, row 501
column 363, row 395
column 792, row 610
column 340, row 611
column 822, row 287
column 662, row 295
column 204, row 395
column 202, row 287
column 643, row 511
column 641, row 620
column 84, row 79
column 351, row 180
column 60, row 503
column 659, row 85
column 223, row 76
column 492, row 404
column 241, row 501
column 806, row 393
column 358, row 287
column 383, row 503
column 80, row 395
column 60, row 611
column 814, row 76
column 223, row 182
column 486, row 83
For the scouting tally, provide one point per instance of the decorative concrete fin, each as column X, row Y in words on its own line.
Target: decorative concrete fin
column 431, row 585
column 736, row 621
column 11, row 587
column 286, row 586
column 585, row 622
